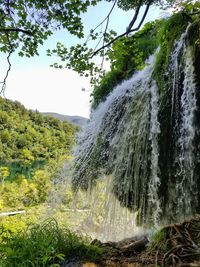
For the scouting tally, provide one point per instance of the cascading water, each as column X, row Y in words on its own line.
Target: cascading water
column 143, row 138
column 181, row 199
column 154, row 181
column 121, row 142
column 185, row 186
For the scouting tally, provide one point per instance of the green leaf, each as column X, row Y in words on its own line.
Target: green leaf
column 60, row 256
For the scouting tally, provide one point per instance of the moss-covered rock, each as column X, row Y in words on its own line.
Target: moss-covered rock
column 128, row 55
column 170, row 32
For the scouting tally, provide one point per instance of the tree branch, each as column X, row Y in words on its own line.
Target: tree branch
column 104, row 35
column 134, row 17
column 128, row 30
column 143, row 17
column 106, row 18
column 15, row 30
column 3, row 88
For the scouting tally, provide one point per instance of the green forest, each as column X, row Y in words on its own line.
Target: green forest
column 34, row 148
column 32, row 145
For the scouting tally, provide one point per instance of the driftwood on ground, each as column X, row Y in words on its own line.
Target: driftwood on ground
column 176, row 245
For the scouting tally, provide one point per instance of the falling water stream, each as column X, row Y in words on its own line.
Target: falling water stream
column 146, row 176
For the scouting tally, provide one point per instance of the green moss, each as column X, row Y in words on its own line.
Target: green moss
column 110, row 80
column 194, row 33
column 171, row 31
column 128, row 55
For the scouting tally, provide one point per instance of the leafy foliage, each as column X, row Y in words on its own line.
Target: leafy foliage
column 4, row 173
column 127, row 55
column 80, row 56
column 167, row 37
column 187, row 6
column 32, row 149
column 127, row 4
column 26, row 24
column 27, row 136
column 45, row 244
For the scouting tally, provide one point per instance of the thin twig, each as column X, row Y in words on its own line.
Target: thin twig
column 106, row 18
column 104, row 36
column 125, row 33
column 3, row 88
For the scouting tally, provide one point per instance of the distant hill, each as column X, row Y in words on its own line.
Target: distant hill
column 77, row 120
column 29, row 136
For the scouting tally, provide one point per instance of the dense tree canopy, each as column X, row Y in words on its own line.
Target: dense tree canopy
column 32, row 149
column 26, row 24
column 29, row 136
column 29, row 22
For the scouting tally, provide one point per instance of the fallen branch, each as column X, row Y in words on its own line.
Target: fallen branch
column 11, row 213
column 137, row 245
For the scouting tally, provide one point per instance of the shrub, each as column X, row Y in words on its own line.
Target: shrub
column 45, row 244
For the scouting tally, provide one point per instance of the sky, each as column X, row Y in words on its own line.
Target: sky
column 40, row 87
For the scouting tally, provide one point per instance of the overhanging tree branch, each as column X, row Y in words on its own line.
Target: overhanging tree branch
column 105, row 32
column 143, row 18
column 134, row 17
column 105, row 19
column 128, row 30
column 15, row 30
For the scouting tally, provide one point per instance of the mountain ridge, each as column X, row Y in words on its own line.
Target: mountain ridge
column 74, row 119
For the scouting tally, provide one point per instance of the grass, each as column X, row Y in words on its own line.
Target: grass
column 46, row 244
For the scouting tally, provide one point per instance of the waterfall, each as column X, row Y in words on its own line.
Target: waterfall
column 186, row 187
column 144, row 139
column 182, row 184
column 121, row 133
column 154, row 181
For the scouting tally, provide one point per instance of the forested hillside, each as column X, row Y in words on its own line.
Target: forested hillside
column 28, row 135
column 32, row 147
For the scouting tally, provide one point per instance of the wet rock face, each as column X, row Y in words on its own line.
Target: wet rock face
column 197, row 65
column 197, row 120
column 178, row 141
column 73, row 262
